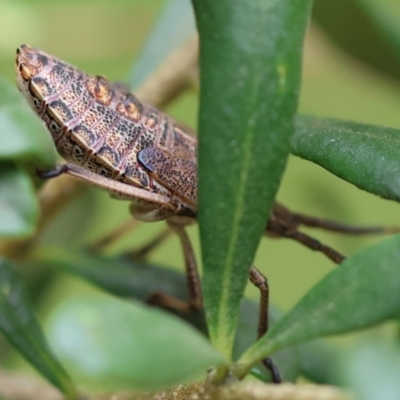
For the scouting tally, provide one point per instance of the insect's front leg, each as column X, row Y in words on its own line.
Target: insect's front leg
column 192, row 272
column 110, row 185
column 58, row 170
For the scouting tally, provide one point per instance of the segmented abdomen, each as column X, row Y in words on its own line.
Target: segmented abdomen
column 96, row 125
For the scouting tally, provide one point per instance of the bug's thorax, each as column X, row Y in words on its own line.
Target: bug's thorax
column 96, row 125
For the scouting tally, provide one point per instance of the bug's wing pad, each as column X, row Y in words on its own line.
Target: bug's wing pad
column 178, row 174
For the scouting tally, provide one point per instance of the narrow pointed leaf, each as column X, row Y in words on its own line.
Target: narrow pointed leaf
column 351, row 24
column 18, row 206
column 363, row 291
column 365, row 155
column 174, row 26
column 385, row 14
column 250, row 59
column 19, row 326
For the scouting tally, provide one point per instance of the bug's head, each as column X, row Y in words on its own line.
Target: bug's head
column 29, row 62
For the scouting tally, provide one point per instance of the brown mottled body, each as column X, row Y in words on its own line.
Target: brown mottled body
column 97, row 126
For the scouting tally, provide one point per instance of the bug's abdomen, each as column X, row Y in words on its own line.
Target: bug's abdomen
column 96, row 125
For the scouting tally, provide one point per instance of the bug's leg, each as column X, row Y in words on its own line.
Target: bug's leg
column 195, row 302
column 54, row 172
column 315, row 245
column 147, row 212
column 111, row 185
column 261, row 282
column 338, row 227
column 192, row 273
column 146, row 249
column 138, row 254
column 161, row 299
column 277, row 228
column 111, row 237
column 293, row 220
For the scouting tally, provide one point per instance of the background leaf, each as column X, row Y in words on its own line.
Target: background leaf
column 19, row 326
column 9, row 94
column 129, row 344
column 174, row 25
column 250, row 72
column 366, row 29
column 318, row 360
column 369, row 362
column 23, row 136
column 18, row 206
column 128, row 278
column 365, row 155
column 385, row 14
column 363, row 291
column 24, row 140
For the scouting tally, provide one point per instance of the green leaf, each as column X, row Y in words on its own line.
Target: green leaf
column 104, row 338
column 24, row 138
column 175, row 25
column 19, row 326
column 9, row 94
column 351, row 24
column 250, row 59
column 385, row 14
column 120, row 275
column 129, row 279
column 18, row 206
column 318, row 360
column 364, row 155
column 361, row 292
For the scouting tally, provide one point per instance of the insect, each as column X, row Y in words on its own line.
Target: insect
column 136, row 152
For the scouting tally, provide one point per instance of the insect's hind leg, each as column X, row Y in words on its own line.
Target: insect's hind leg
column 315, row 245
column 281, row 225
column 261, row 282
column 293, row 220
